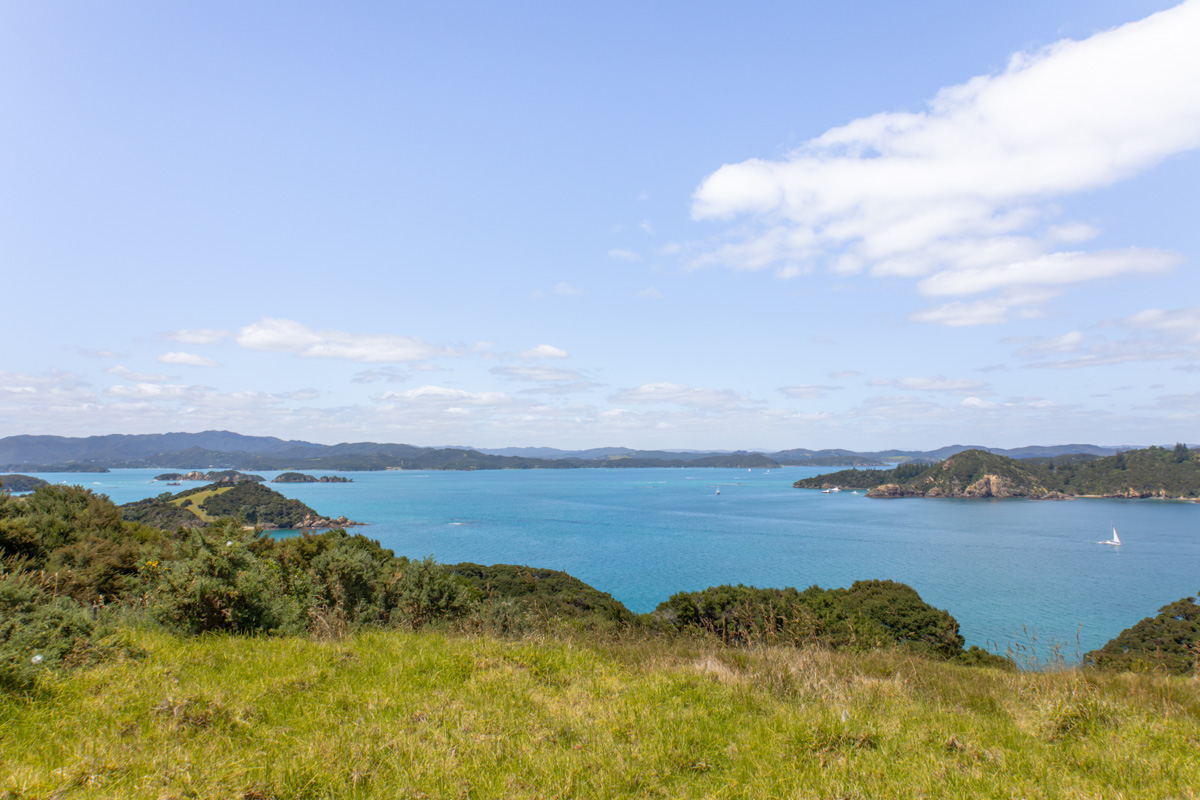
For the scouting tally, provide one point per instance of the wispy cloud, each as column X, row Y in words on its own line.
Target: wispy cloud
column 199, row 336
column 960, row 196
column 542, row 351
column 933, row 384
column 373, row 375
column 139, row 377
column 1151, row 335
column 650, row 293
column 680, row 394
column 808, row 391
column 287, row 336
column 445, row 397
column 621, row 254
column 574, row 387
column 538, row 372
column 187, row 359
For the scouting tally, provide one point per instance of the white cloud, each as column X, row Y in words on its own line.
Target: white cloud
column 575, row 387
column 90, row 353
column 1182, row 325
column 844, row 373
column 1067, row 343
column 650, row 293
column 808, row 391
column 622, row 254
column 139, row 377
column 187, row 359
column 286, row 336
column 49, row 389
column 199, row 336
column 680, row 394
column 445, row 397
column 960, row 194
column 373, row 375
column 542, row 351
column 989, row 311
column 147, row 391
column 1053, row 269
column 933, row 384
column 1152, row 335
column 538, row 372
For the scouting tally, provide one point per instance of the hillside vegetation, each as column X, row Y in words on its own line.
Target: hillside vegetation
column 1152, row 472
column 248, row 502
column 218, row 661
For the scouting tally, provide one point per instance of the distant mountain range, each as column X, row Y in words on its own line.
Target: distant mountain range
column 224, row 449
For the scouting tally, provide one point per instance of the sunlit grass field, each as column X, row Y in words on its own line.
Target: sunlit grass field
column 197, row 500
column 430, row 715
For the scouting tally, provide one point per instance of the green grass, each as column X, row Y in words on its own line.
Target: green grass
column 198, row 500
column 413, row 715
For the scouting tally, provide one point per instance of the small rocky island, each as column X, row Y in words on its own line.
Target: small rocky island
column 215, row 476
column 301, row 477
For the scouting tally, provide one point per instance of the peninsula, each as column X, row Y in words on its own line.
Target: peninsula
column 1153, row 472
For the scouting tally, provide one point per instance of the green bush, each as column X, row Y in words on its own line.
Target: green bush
column 217, row 583
column 1169, row 642
column 38, row 631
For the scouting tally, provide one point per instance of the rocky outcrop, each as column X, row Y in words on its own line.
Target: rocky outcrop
column 321, row 523
column 895, row 490
column 300, row 477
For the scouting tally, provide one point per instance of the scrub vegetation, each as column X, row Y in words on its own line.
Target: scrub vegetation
column 218, row 661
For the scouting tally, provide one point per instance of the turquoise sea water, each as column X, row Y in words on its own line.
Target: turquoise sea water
column 1008, row 570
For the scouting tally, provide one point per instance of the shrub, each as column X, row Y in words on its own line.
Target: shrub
column 38, row 631
column 218, row 584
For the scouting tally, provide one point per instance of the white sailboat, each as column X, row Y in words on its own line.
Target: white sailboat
column 1115, row 540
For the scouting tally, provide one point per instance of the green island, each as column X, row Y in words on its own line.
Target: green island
column 141, row 659
column 1153, row 472
column 20, row 483
column 246, row 501
column 300, row 477
column 212, row 476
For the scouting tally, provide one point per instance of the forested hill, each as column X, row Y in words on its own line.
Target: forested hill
column 246, row 501
column 1150, row 472
column 227, row 450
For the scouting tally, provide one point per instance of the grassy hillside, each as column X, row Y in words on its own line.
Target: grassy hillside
column 246, row 501
column 406, row 715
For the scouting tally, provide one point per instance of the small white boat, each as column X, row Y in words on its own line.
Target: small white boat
column 1115, row 540
column 718, row 490
column 825, row 491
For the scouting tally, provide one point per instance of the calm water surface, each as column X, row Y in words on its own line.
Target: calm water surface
column 1005, row 569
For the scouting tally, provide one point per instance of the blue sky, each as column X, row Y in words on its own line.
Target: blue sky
column 673, row 225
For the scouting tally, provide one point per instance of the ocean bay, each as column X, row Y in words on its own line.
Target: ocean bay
column 1005, row 569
